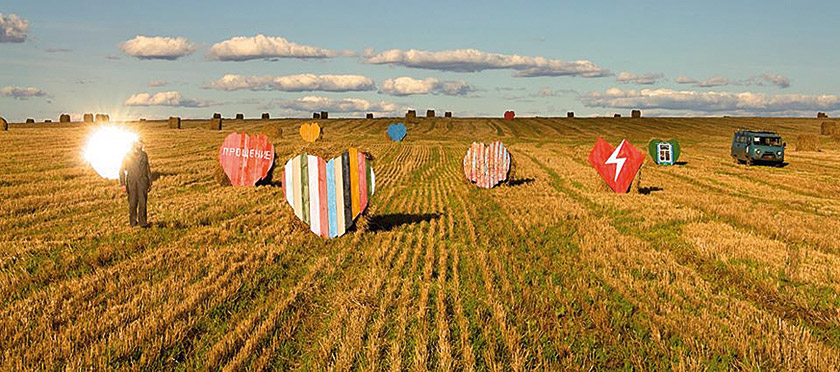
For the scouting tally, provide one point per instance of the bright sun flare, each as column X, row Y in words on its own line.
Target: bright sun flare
column 105, row 149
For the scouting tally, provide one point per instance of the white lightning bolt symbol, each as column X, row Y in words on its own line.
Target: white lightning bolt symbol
column 614, row 159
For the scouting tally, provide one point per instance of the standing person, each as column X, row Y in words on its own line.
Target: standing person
column 136, row 180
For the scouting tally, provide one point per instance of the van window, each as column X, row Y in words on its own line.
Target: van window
column 768, row 141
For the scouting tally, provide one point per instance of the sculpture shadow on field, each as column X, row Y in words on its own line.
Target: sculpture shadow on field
column 521, row 181
column 649, row 189
column 680, row 162
column 388, row 222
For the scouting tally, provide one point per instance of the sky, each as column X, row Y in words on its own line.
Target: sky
column 154, row 59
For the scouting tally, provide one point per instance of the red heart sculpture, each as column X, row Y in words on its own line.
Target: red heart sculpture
column 509, row 115
column 617, row 166
column 246, row 159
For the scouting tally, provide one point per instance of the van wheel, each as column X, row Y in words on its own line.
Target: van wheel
column 750, row 162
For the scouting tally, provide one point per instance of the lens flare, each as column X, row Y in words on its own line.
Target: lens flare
column 105, row 149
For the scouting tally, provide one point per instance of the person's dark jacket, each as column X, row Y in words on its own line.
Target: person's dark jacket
column 135, row 173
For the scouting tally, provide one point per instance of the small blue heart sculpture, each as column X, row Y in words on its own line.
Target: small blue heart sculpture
column 396, row 131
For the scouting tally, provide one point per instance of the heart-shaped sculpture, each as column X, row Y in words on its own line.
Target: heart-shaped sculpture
column 246, row 159
column 396, row 132
column 310, row 132
column 664, row 153
column 509, row 115
column 617, row 166
column 487, row 165
column 329, row 195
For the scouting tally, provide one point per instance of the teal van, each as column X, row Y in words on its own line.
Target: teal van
column 751, row 147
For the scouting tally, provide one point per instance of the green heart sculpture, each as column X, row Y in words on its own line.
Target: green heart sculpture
column 664, row 153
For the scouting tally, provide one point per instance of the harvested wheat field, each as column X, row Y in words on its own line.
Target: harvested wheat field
column 707, row 265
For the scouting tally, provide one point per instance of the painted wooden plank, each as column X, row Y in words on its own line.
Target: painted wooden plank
column 363, row 193
column 354, row 181
column 304, row 188
column 288, row 183
column 331, row 201
column 348, row 199
column 322, row 198
column 314, row 201
column 340, row 223
column 298, row 206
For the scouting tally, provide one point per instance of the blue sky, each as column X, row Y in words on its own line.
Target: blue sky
column 669, row 58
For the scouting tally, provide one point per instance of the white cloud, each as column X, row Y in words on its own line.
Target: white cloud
column 21, row 92
column 471, row 60
column 346, row 105
column 158, row 47
column 778, row 80
column 682, row 79
column 404, row 86
column 13, row 29
column 714, row 81
column 245, row 48
column 158, row 83
column 295, row 83
column 746, row 102
column 643, row 79
column 171, row 98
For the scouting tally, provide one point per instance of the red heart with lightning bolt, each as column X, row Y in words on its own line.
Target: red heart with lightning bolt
column 617, row 166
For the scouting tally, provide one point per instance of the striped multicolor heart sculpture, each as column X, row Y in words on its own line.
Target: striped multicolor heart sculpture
column 329, row 195
column 487, row 165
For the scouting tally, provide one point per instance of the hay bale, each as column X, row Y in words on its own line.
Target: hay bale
column 30, row 121
column 102, row 118
column 430, row 113
column 265, row 116
column 411, row 114
column 447, row 114
column 4, row 125
column 325, row 115
column 215, row 124
column 64, row 118
column 316, row 115
column 88, row 118
column 174, row 122
column 821, row 115
column 240, row 116
column 636, row 114
column 217, row 115
column 617, row 115
column 369, row 115
column 829, row 128
column 807, row 142
column 142, row 120
column 47, row 120
column 570, row 114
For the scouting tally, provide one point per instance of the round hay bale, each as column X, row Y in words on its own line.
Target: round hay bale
column 265, row 116
column 829, row 128
column 215, row 124
column 369, row 115
column 64, row 118
column 240, row 116
column 411, row 114
column 821, row 115
column 325, row 115
column 102, row 118
column 88, row 118
column 570, row 114
column 316, row 115
column 4, row 125
column 616, row 115
column 47, row 120
column 636, row 114
column 30, row 121
column 430, row 113
column 217, row 115
column 142, row 120
column 447, row 114
column 807, row 142
column 174, row 122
